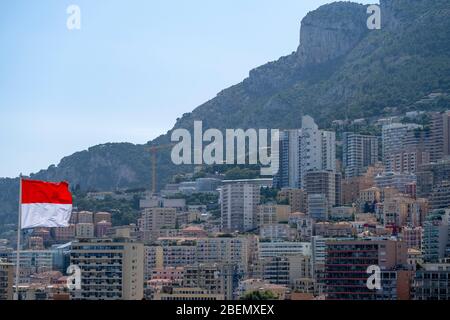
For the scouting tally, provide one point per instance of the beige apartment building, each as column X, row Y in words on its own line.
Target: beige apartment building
column 272, row 214
column 155, row 219
column 296, row 198
column 6, row 280
column 111, row 269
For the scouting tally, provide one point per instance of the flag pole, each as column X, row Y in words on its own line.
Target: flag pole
column 19, row 233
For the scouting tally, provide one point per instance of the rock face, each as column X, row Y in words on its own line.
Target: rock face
column 331, row 32
column 340, row 70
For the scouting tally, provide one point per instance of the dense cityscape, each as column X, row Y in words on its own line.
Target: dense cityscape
column 343, row 201
column 214, row 159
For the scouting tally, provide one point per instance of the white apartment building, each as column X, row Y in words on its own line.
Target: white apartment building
column 239, row 201
column 282, row 248
column 303, row 150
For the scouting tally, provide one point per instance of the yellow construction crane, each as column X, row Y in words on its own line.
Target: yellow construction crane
column 154, row 152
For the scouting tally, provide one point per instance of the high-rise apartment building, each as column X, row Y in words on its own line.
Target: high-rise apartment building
column 175, row 253
column 406, row 160
column 439, row 135
column 434, row 139
column 393, row 137
column 359, row 152
column 180, row 252
column 403, row 211
column 318, row 260
column 435, row 237
column 233, row 250
column 430, row 175
column 324, row 182
column 110, row 269
column 239, row 201
column 154, row 219
column 275, row 270
column 440, row 196
column 303, row 150
column 347, row 263
column 317, row 149
column 288, row 175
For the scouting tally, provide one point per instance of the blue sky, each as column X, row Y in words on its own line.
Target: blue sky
column 132, row 69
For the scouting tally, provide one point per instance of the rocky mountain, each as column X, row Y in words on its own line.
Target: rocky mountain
column 341, row 70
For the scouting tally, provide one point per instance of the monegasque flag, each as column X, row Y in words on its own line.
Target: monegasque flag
column 45, row 204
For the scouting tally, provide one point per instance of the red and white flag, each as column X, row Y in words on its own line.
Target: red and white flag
column 45, row 204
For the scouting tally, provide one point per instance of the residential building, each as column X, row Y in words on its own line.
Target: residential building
column 169, row 253
column 111, row 269
column 239, row 202
column 85, row 230
column 296, row 198
column 406, row 160
column 304, row 224
column 392, row 137
column 395, row 180
column 32, row 262
column 359, row 152
column 283, row 248
column 412, row 236
column 342, row 214
column 435, row 237
column 334, row 230
column 6, row 280
column 221, row 249
column 155, row 219
column 431, row 281
column 289, row 172
column 272, row 214
column 440, row 196
column 347, row 263
column 85, row 217
column 64, row 234
column 220, row 279
column 275, row 270
column 430, row 175
column 101, row 228
column 318, row 207
column 318, row 260
column 102, row 216
column 323, row 182
column 439, row 142
column 277, row 231
column 173, row 274
column 303, row 150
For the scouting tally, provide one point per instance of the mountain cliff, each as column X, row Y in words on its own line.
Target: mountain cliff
column 341, row 70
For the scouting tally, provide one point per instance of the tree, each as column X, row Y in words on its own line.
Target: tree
column 260, row 295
